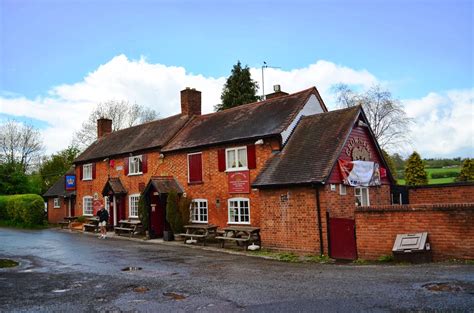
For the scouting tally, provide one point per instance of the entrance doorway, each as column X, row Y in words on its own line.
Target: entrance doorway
column 157, row 214
column 342, row 240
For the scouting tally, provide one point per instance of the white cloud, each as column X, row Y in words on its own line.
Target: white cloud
column 157, row 86
column 444, row 123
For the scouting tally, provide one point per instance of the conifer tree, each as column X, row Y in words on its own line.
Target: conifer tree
column 415, row 173
column 467, row 170
column 239, row 88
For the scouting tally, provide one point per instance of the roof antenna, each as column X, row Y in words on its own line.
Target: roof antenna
column 264, row 66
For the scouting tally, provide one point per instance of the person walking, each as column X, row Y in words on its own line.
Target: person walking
column 103, row 215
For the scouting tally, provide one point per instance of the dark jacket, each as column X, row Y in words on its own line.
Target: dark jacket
column 103, row 215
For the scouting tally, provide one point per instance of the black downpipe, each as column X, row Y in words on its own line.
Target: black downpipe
column 320, row 227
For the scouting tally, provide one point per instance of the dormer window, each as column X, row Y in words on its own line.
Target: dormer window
column 135, row 165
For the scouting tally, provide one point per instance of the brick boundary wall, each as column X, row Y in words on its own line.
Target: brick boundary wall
column 450, row 229
column 445, row 193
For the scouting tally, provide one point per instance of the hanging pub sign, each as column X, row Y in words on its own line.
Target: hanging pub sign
column 360, row 173
column 70, row 182
column 239, row 182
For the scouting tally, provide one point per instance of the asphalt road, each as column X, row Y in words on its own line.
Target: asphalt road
column 61, row 271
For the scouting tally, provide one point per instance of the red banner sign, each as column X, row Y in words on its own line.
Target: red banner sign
column 239, row 182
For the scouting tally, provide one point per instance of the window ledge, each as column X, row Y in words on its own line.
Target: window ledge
column 236, row 223
column 56, row 207
column 199, row 222
column 236, row 169
column 133, row 216
column 86, row 179
column 196, row 183
column 135, row 174
column 88, row 214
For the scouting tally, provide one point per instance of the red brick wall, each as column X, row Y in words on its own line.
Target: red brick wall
column 450, row 229
column 56, row 215
column 291, row 224
column 343, row 206
column 455, row 193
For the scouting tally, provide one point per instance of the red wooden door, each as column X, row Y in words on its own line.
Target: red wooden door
column 157, row 216
column 342, row 241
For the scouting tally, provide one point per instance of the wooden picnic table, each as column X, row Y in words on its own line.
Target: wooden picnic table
column 130, row 227
column 245, row 235
column 67, row 220
column 92, row 224
column 199, row 231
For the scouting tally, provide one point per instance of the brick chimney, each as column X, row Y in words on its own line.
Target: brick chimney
column 190, row 102
column 277, row 93
column 104, row 127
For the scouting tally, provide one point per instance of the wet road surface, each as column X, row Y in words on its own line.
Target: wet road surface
column 62, row 271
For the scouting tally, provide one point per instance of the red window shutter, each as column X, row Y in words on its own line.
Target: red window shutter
column 251, row 157
column 221, row 159
column 125, row 166
column 93, row 170
column 195, row 168
column 81, row 172
column 144, row 163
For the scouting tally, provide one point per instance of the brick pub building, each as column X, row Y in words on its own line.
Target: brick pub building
column 277, row 164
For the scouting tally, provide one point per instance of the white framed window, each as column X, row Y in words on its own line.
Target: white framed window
column 135, row 165
column 342, row 190
column 362, row 196
column 239, row 211
column 236, row 159
column 106, row 203
column 199, row 211
column 332, row 187
column 87, row 208
column 133, row 205
column 87, row 171
column 57, row 204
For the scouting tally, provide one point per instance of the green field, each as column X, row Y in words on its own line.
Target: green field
column 434, row 181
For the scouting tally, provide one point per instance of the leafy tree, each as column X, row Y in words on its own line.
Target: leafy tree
column 415, row 173
column 386, row 115
column 467, row 170
column 55, row 166
column 390, row 163
column 20, row 145
column 239, row 89
column 13, row 179
column 172, row 214
column 123, row 115
column 398, row 161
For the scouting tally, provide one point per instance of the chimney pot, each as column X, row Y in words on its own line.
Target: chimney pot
column 190, row 102
column 104, row 127
column 277, row 93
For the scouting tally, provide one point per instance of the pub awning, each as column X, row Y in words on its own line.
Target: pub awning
column 114, row 186
column 163, row 184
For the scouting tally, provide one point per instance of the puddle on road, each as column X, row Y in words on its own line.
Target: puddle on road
column 141, row 289
column 174, row 296
column 131, row 269
column 6, row 263
column 450, row 287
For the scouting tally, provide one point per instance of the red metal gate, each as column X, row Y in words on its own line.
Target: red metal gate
column 342, row 241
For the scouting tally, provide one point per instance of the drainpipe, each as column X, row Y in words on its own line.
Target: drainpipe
column 320, row 227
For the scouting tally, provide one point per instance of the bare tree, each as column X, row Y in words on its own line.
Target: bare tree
column 386, row 115
column 20, row 144
column 123, row 115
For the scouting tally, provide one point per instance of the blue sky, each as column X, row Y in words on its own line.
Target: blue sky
column 413, row 47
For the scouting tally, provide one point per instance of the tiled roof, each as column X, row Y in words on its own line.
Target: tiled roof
column 164, row 185
column 312, row 150
column 141, row 137
column 115, row 185
column 58, row 190
column 254, row 120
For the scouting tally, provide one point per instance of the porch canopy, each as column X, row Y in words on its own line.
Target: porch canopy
column 163, row 184
column 113, row 186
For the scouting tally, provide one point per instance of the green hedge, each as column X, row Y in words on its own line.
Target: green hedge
column 27, row 210
column 447, row 174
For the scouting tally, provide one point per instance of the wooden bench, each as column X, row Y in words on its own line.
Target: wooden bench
column 124, row 230
column 241, row 235
column 63, row 224
column 199, row 231
column 91, row 227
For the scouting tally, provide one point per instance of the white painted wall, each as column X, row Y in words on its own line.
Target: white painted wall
column 311, row 107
